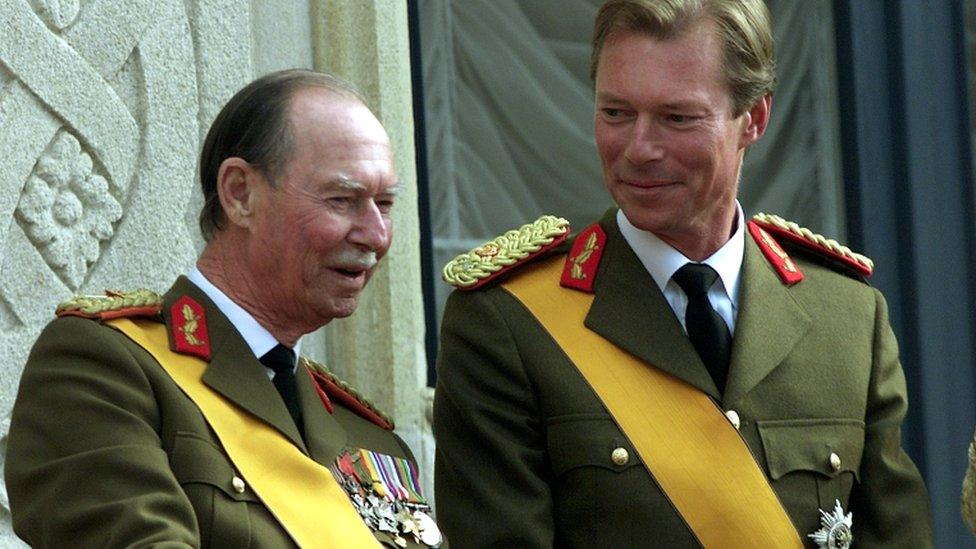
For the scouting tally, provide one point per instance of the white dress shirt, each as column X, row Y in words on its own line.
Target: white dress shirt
column 255, row 335
column 662, row 261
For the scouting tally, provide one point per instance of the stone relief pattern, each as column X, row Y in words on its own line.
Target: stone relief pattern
column 98, row 123
column 58, row 14
column 67, row 210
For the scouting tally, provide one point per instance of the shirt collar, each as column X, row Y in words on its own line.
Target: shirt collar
column 257, row 337
column 662, row 261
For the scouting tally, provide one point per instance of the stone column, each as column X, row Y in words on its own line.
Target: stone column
column 380, row 349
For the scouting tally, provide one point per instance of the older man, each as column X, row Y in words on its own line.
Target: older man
column 676, row 375
column 185, row 419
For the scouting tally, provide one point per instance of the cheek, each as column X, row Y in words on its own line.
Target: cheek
column 609, row 143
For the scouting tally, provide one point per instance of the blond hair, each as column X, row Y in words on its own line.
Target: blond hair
column 744, row 29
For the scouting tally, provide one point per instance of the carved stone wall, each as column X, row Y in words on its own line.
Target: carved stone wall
column 103, row 104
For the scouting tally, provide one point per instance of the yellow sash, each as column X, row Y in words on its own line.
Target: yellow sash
column 697, row 457
column 302, row 494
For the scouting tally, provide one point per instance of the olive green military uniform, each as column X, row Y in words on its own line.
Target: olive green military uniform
column 106, row 451
column 524, row 445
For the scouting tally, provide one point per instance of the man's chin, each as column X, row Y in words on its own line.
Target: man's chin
column 343, row 308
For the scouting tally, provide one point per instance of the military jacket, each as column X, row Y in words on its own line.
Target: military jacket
column 524, row 445
column 105, row 450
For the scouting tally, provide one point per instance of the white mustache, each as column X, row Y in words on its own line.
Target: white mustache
column 353, row 258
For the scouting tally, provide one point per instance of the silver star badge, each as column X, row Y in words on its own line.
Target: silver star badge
column 835, row 531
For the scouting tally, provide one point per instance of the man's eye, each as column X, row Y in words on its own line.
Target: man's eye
column 613, row 113
column 385, row 205
column 340, row 201
column 681, row 118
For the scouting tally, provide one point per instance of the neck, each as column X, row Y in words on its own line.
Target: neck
column 701, row 243
column 226, row 267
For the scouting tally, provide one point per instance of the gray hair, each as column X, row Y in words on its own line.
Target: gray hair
column 254, row 126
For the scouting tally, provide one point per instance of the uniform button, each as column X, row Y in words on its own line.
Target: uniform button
column 620, row 456
column 733, row 418
column 238, row 484
column 835, row 462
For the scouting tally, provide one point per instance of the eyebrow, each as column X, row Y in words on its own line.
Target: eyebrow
column 348, row 184
column 608, row 97
column 397, row 189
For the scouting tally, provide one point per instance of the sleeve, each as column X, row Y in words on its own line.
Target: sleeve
column 491, row 475
column 85, row 465
column 890, row 504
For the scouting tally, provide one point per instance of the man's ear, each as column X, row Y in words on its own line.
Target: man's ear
column 756, row 120
column 236, row 180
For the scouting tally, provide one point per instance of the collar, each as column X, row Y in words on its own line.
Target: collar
column 662, row 261
column 257, row 337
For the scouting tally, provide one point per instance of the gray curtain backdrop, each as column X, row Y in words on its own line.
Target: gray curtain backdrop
column 509, row 111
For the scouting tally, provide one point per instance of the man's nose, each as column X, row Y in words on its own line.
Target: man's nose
column 370, row 230
column 645, row 143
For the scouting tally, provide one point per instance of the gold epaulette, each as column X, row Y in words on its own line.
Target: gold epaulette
column 340, row 391
column 113, row 304
column 473, row 269
column 828, row 248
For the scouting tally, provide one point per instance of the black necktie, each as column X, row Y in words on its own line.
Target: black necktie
column 706, row 329
column 281, row 359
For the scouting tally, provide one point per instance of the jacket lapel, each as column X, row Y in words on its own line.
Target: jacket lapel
column 234, row 372
column 630, row 311
column 324, row 436
column 769, row 324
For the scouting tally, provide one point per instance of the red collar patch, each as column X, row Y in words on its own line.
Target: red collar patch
column 328, row 388
column 579, row 271
column 787, row 269
column 189, row 328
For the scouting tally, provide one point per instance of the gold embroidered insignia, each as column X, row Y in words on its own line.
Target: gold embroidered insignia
column 190, row 325
column 581, row 258
column 472, row 269
column 774, row 246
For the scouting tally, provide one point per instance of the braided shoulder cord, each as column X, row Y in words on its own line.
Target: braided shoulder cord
column 815, row 238
column 470, row 267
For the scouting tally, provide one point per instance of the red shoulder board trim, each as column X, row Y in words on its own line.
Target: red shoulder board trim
column 189, row 328
column 787, row 269
column 799, row 240
column 579, row 271
column 330, row 390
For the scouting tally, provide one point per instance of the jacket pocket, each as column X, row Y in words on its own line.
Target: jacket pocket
column 828, row 450
column 602, row 492
column 218, row 493
column 588, row 440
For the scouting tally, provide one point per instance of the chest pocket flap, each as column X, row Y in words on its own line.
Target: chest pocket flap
column 826, row 446
column 589, row 440
column 196, row 460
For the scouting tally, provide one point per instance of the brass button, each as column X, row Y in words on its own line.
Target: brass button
column 238, row 484
column 835, row 462
column 733, row 418
column 620, row 456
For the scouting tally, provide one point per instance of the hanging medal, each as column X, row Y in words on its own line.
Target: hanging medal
column 385, row 490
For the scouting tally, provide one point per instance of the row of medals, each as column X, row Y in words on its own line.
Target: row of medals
column 399, row 519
